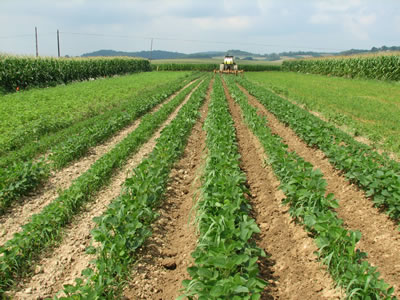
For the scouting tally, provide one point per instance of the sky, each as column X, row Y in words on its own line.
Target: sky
column 258, row 26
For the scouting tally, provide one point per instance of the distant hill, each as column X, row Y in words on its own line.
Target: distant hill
column 156, row 54
column 160, row 54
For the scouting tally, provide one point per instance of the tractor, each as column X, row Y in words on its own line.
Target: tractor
column 229, row 66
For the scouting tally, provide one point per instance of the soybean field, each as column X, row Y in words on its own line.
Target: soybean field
column 195, row 185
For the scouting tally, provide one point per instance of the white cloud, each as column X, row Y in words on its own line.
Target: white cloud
column 351, row 16
column 223, row 23
column 396, row 23
column 337, row 5
column 321, row 18
column 338, row 24
column 359, row 25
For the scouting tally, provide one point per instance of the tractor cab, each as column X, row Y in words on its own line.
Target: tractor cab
column 229, row 66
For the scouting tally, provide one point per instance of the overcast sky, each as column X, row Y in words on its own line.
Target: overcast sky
column 260, row 26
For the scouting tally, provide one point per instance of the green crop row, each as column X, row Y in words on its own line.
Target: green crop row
column 211, row 67
column 376, row 174
column 184, row 67
column 305, row 191
column 20, row 178
column 226, row 255
column 126, row 224
column 29, row 116
column 45, row 229
column 31, row 148
column 18, row 73
column 385, row 67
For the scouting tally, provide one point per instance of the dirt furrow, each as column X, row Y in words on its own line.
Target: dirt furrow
column 67, row 261
column 291, row 267
column 164, row 259
column 21, row 213
column 380, row 236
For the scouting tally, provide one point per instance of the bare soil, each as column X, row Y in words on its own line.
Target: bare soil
column 67, row 261
column 163, row 261
column 22, row 211
column 291, row 267
column 380, row 235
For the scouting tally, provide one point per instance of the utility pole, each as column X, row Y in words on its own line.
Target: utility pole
column 37, row 47
column 151, row 49
column 58, row 43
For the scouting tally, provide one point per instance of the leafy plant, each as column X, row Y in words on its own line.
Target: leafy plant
column 18, row 253
column 18, row 180
column 226, row 256
column 383, row 67
column 305, row 191
column 20, row 72
column 376, row 174
column 126, row 224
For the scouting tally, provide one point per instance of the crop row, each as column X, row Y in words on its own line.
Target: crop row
column 126, row 223
column 210, row 67
column 226, row 256
column 31, row 115
column 45, row 228
column 305, row 191
column 30, row 143
column 22, row 177
column 376, row 174
column 23, row 72
column 385, row 67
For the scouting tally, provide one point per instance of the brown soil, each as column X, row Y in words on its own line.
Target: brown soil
column 380, row 236
column 67, row 261
column 291, row 267
column 21, row 213
column 163, row 261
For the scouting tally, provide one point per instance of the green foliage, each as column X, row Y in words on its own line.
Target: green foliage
column 25, row 72
column 226, row 256
column 370, row 108
column 28, row 116
column 385, row 67
column 183, row 67
column 210, row 67
column 305, row 191
column 45, row 229
column 126, row 224
column 376, row 174
column 19, row 179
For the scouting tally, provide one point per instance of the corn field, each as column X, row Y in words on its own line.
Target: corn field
column 384, row 67
column 22, row 72
column 210, row 67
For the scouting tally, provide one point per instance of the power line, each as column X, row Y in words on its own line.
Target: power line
column 25, row 35
column 16, row 36
column 200, row 41
column 177, row 39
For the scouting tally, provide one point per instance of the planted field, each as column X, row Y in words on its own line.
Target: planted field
column 22, row 72
column 383, row 67
column 205, row 187
column 365, row 108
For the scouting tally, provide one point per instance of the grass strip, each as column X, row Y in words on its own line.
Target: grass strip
column 376, row 174
column 305, row 191
column 45, row 229
column 126, row 224
column 226, row 256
